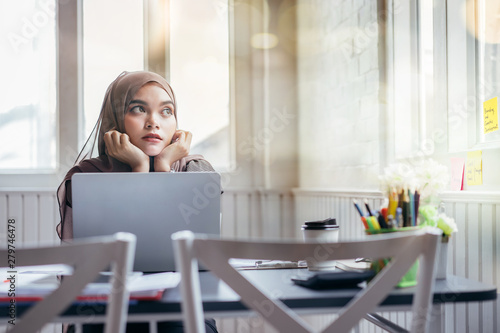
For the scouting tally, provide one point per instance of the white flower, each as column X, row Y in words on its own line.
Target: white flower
column 447, row 224
column 398, row 176
column 428, row 177
column 431, row 178
column 429, row 216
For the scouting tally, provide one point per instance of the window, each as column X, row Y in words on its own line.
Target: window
column 405, row 86
column 473, row 73
column 111, row 44
column 487, row 32
column 420, row 123
column 430, row 126
column 199, row 67
column 413, row 77
column 28, row 66
column 59, row 66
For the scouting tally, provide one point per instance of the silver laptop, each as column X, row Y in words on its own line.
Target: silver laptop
column 150, row 205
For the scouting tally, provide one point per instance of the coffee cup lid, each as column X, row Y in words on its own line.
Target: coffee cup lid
column 329, row 223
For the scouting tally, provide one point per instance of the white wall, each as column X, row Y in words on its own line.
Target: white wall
column 338, row 75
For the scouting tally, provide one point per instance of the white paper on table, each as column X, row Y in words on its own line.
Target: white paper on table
column 23, row 277
column 258, row 264
column 138, row 285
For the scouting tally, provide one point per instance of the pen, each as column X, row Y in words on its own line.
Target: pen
column 416, row 203
column 357, row 207
column 374, row 221
column 383, row 211
column 363, row 219
column 369, row 223
column 365, row 223
column 399, row 217
column 368, row 208
column 412, row 207
column 406, row 210
column 401, row 198
column 393, row 202
column 381, row 221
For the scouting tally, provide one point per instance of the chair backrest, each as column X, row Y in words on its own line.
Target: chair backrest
column 404, row 249
column 88, row 257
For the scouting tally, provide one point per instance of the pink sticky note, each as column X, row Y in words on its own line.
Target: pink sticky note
column 457, row 173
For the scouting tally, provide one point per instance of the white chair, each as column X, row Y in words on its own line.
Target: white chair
column 403, row 248
column 88, row 258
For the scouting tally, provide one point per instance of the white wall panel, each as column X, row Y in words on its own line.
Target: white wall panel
column 31, row 218
column 474, row 250
column 271, row 215
column 243, row 207
column 15, row 211
column 3, row 217
column 49, row 218
column 228, row 226
column 34, row 213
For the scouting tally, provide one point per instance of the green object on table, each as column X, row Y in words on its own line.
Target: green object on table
column 386, row 231
column 410, row 278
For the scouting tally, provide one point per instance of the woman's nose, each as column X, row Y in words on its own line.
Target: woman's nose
column 151, row 122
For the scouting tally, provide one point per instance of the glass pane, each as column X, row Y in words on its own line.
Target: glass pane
column 112, row 42
column 28, row 68
column 405, row 106
column 199, row 67
column 428, row 117
column 488, row 35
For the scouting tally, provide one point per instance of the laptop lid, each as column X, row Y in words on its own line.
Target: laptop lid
column 150, row 205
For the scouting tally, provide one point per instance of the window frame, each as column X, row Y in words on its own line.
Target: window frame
column 69, row 97
column 402, row 26
column 449, row 121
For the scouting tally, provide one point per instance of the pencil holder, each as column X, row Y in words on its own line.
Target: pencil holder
column 410, row 278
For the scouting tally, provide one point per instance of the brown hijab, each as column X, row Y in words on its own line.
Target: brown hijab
column 118, row 96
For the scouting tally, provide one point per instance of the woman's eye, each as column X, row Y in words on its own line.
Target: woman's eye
column 167, row 112
column 137, row 109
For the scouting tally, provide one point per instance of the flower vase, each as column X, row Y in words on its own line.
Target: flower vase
column 442, row 258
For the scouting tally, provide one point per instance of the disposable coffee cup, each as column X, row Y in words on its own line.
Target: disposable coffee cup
column 325, row 231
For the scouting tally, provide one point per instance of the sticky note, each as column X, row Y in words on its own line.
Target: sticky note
column 457, row 174
column 490, row 113
column 474, row 168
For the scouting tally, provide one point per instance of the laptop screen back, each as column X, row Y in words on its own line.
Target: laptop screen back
column 150, row 205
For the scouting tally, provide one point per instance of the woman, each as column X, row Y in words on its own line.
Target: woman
column 136, row 132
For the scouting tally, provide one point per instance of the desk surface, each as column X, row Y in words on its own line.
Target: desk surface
column 218, row 297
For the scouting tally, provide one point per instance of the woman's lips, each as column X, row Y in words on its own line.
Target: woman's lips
column 152, row 138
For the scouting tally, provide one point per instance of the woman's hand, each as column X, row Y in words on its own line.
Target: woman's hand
column 179, row 148
column 118, row 146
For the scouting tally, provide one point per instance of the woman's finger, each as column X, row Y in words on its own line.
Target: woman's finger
column 118, row 138
column 189, row 137
column 177, row 135
column 112, row 139
column 124, row 139
column 108, row 141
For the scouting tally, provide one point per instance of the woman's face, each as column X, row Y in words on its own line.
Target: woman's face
column 149, row 119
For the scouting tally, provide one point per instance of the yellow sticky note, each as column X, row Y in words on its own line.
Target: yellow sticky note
column 490, row 108
column 474, row 168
